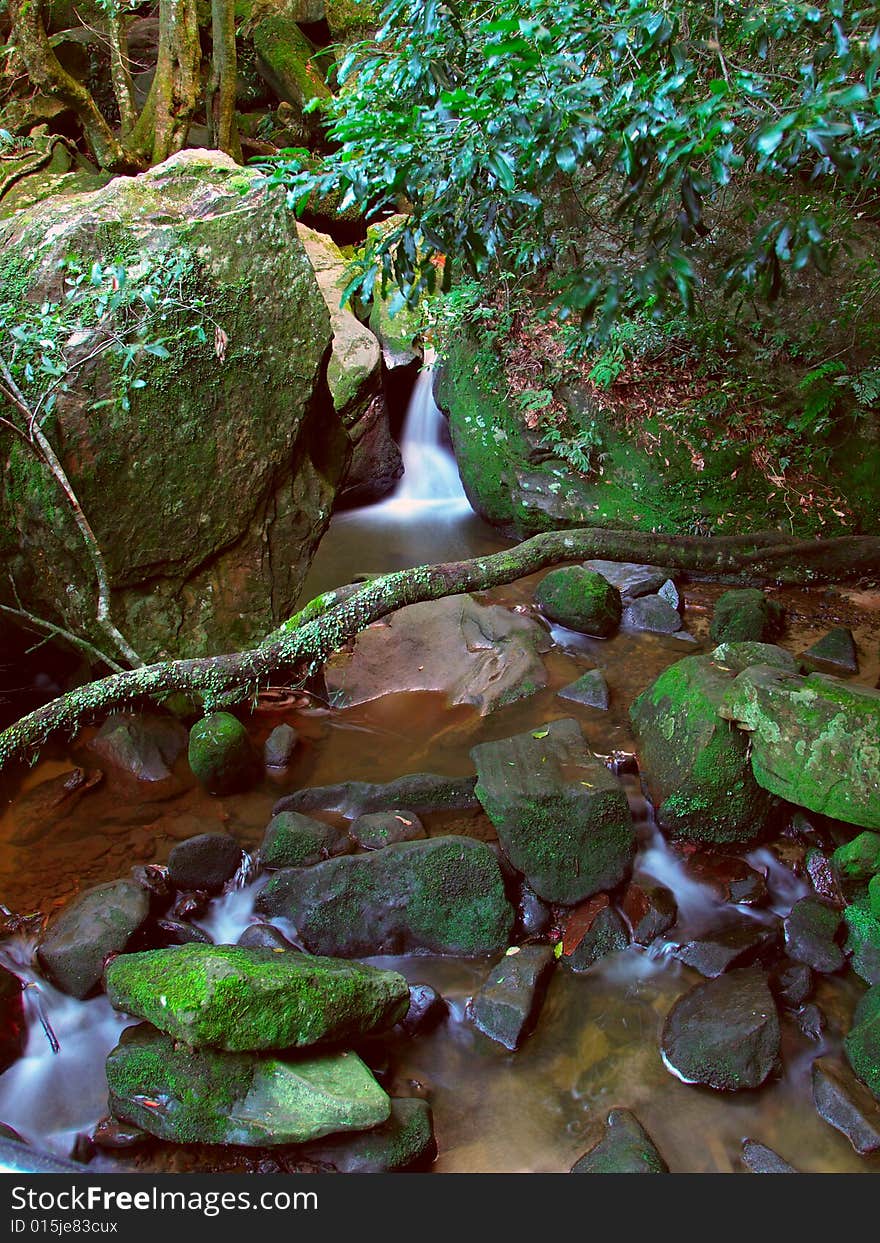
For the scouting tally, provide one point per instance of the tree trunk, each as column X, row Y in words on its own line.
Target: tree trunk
column 300, row 646
column 221, row 105
column 162, row 127
column 123, row 88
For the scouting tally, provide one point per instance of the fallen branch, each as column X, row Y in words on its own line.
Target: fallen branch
column 300, row 646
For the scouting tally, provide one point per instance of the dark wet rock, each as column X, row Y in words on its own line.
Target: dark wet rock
column 862, row 1044
column 153, row 878
column 823, row 878
column 696, row 766
column 420, row 792
column 13, row 1027
column 206, row 862
column 590, row 689
column 834, row 653
column 479, row 654
column 264, row 936
column 384, row 828
column 561, row 817
column 863, row 941
column 653, row 614
column 724, row 1033
column 625, row 1148
column 506, row 1007
column 404, row 1141
column 791, row 983
column 759, row 1159
column 279, row 747
column 237, row 998
column 177, row 932
column 114, row 1135
column 426, row 1009
column 221, row 755
column 855, row 862
column 145, row 746
column 630, row 579
column 292, row 840
column 846, row 1104
column 42, row 809
column 444, row 895
column 580, row 600
column 189, row 906
column 593, row 930
column 731, row 878
column 533, row 915
column 100, row 921
column 810, row 930
column 811, row 1020
column 649, row 909
column 746, row 614
column 812, row 740
column 737, row 944
column 208, row 1096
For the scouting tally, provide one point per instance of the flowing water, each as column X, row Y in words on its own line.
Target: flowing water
column 596, row 1045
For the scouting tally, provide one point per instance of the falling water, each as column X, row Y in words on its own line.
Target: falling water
column 430, row 474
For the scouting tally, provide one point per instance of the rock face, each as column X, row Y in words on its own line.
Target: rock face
column 724, row 1033
column 211, row 1097
column 625, row 1148
column 562, row 818
column 100, row 921
column 209, row 495
column 444, row 896
column 813, row 740
column 484, row 655
column 235, row 998
column 507, row 1004
column 580, row 599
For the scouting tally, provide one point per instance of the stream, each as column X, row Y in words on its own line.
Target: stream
column 596, row 1043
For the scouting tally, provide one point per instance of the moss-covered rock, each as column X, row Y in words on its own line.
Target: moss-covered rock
column 209, row 494
column 625, row 1148
column 813, row 740
column 292, row 840
column 858, row 860
column 746, row 615
column 863, row 941
column 862, row 1044
column 207, row 1096
column 562, row 819
column 287, row 60
column 444, row 895
column 234, row 998
column 580, row 599
column 220, row 753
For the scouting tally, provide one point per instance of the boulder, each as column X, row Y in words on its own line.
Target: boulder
column 404, row 1141
column 632, row 580
column 220, row 754
column 235, row 998
column 287, row 61
column 857, row 861
column 420, row 792
column 444, row 896
column 846, row 1105
column 593, row 930
column 98, row 922
column 484, row 655
column 863, row 941
column 384, row 828
column 208, row 478
column 625, row 1148
column 13, row 1026
column 507, row 1004
column 834, row 653
column 279, row 747
column 292, row 840
column 590, row 689
column 208, row 1096
column 533, row 915
column 724, row 1033
column 653, row 614
column 811, row 927
column 145, row 746
column 562, row 819
column 759, row 1159
column 580, row 600
column 862, row 1043
column 264, row 936
column 206, row 861
column 746, row 614
column 737, row 944
column 813, row 740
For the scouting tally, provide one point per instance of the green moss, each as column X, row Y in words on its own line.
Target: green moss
column 220, row 753
column 580, row 599
column 295, row 841
column 746, row 615
column 857, row 861
column 290, row 60
column 863, row 941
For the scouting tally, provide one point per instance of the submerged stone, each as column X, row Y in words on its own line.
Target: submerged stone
column 279, row 747
column 420, row 792
column 590, row 689
column 846, row 1104
column 235, row 998
column 746, row 614
column 404, row 1141
column 759, row 1159
column 507, row 1004
column 146, row 746
column 810, row 930
column 220, row 753
column 625, row 1148
column 99, row 922
column 444, row 895
column 562, row 819
column 724, row 1033
column 206, row 1096
column 580, row 600
column 834, row 653
column 206, row 861
column 292, row 840
column 653, row 614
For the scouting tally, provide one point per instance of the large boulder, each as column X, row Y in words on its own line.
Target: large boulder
column 580, row 599
column 696, row 763
column 813, row 740
column 562, row 819
column 208, row 495
column 236, row 998
column 444, row 895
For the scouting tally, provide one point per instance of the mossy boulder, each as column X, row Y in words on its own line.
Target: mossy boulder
column 442, row 896
column 863, row 940
column 210, row 493
column 581, row 600
column 295, row 841
column 206, row 1096
column 625, row 1148
column 235, row 998
column 862, row 1043
column 695, row 762
column 857, row 861
column 746, row 614
column 562, row 819
column 220, row 753
column 813, row 740
column 288, row 62
column 98, row 922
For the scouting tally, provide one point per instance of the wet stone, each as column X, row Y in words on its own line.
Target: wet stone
column 405, row 1141
column 653, row 614
column 590, row 689
column 810, row 930
column 426, row 1009
column 264, row 936
column 533, row 915
column 593, row 930
column 206, row 862
column 759, row 1159
column 506, row 1007
column 823, row 878
column 791, row 983
column 279, row 747
column 13, row 1028
column 649, row 910
column 738, row 944
column 221, row 755
column 834, row 653
column 97, row 923
column 177, row 932
column 625, row 1148
column 114, row 1135
column 144, row 746
column 746, row 614
column 846, row 1104
column 630, row 579
column 293, row 840
column 420, row 792
column 731, row 878
column 811, row 1021
column 384, row 828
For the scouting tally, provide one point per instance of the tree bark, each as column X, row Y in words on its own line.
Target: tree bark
column 224, row 77
column 162, row 127
column 300, row 646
